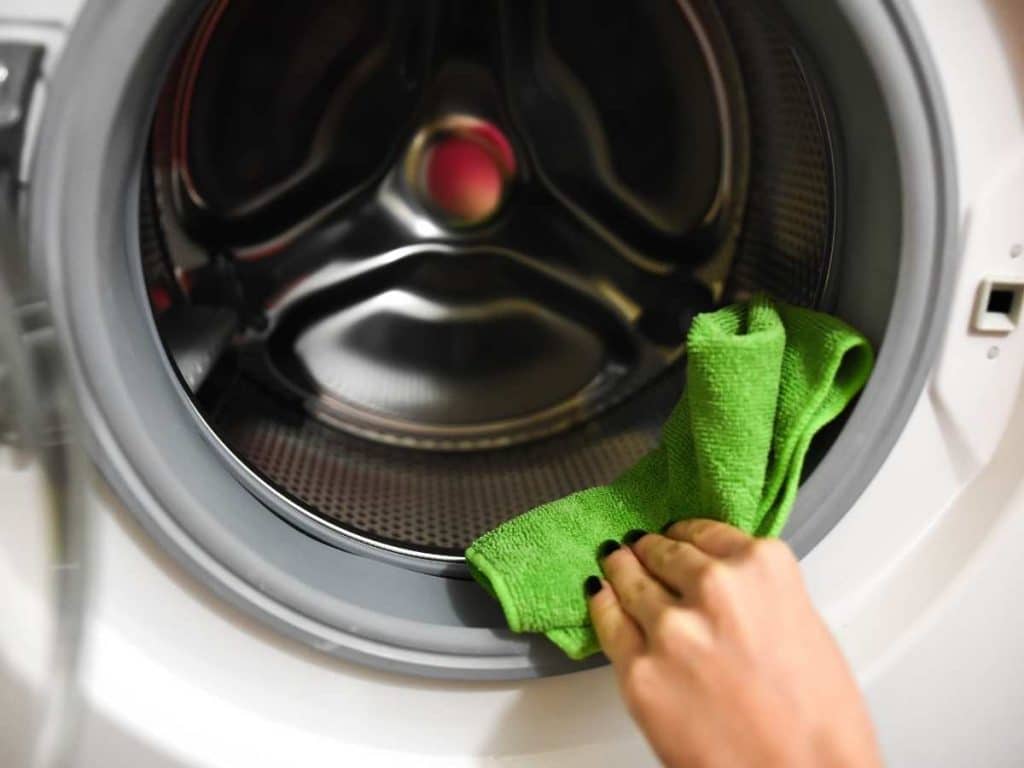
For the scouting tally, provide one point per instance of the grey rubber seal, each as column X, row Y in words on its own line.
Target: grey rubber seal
column 153, row 448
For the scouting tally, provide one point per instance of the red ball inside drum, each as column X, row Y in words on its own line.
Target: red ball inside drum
column 465, row 178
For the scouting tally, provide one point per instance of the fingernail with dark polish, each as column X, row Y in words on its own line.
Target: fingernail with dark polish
column 592, row 586
column 666, row 526
column 607, row 548
column 633, row 536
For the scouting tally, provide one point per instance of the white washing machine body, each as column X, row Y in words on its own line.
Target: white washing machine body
column 918, row 581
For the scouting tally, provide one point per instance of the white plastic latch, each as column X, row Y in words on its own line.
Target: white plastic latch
column 999, row 305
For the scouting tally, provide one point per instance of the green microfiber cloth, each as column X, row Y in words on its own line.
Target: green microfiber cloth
column 762, row 379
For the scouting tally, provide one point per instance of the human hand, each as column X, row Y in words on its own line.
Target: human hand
column 720, row 655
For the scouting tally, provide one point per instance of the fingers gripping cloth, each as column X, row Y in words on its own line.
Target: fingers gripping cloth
column 762, row 379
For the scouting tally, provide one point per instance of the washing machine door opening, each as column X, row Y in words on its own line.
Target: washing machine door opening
column 424, row 266
column 339, row 288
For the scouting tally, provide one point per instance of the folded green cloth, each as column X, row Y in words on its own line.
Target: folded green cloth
column 762, row 379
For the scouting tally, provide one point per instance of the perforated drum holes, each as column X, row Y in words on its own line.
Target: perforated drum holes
column 422, row 501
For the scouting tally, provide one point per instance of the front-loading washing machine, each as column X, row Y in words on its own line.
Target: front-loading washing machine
column 301, row 298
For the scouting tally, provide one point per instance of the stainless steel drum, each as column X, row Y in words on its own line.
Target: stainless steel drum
column 424, row 265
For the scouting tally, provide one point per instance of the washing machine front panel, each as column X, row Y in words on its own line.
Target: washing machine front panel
column 177, row 673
